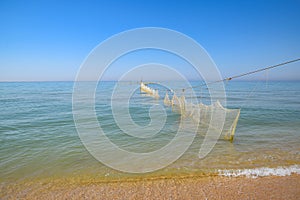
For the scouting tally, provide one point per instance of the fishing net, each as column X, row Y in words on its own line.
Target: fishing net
column 146, row 89
column 202, row 114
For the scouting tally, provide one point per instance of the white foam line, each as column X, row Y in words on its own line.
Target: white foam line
column 260, row 172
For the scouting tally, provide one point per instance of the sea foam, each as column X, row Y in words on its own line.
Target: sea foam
column 260, row 172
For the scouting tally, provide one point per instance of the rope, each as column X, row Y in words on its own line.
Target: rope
column 263, row 69
column 248, row 73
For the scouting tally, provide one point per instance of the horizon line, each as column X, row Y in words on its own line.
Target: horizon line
column 248, row 80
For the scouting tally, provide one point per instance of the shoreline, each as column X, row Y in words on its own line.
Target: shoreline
column 214, row 187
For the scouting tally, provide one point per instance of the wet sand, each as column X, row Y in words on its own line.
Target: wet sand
column 271, row 187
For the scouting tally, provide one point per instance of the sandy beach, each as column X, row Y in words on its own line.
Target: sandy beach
column 272, row 187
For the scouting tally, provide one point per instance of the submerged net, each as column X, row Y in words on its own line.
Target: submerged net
column 202, row 114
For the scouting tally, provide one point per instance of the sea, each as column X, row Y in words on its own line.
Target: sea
column 40, row 141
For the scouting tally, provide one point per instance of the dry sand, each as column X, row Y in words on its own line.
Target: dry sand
column 287, row 187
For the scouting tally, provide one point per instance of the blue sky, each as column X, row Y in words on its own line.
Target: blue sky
column 48, row 40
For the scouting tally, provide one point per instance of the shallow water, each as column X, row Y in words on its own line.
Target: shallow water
column 39, row 138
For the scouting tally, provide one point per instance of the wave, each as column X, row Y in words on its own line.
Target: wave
column 260, row 172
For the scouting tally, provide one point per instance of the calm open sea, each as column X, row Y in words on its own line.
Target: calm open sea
column 39, row 138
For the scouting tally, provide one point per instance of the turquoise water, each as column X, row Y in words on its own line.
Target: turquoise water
column 39, row 138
